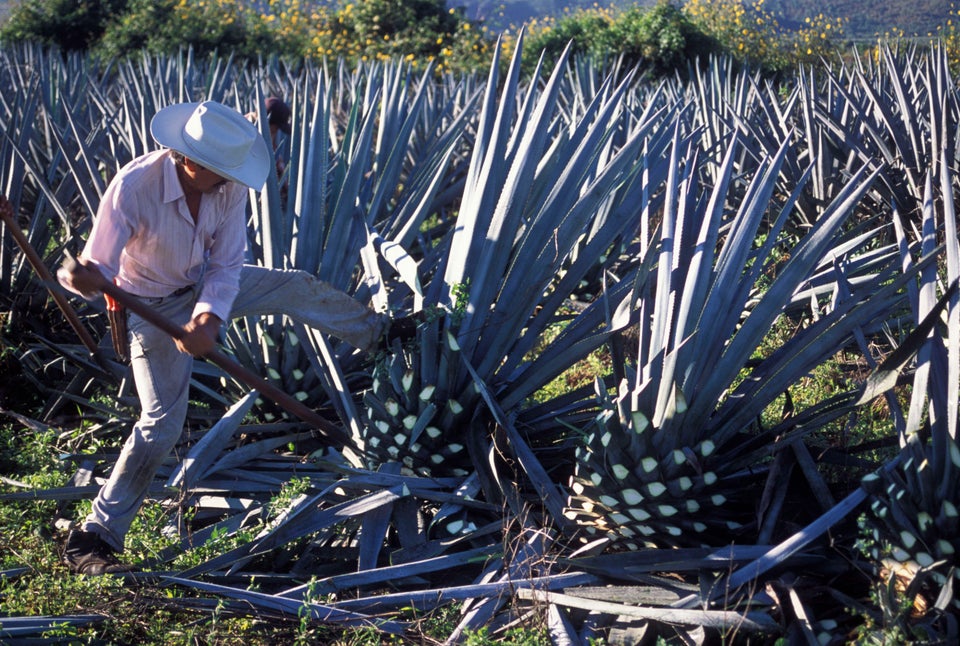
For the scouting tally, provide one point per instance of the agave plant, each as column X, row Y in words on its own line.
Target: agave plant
column 669, row 458
column 360, row 181
column 543, row 200
column 913, row 519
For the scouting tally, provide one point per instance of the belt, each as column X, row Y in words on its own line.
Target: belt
column 173, row 294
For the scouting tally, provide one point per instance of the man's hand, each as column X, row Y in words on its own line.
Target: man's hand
column 81, row 277
column 200, row 335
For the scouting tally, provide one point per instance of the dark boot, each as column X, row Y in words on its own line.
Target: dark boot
column 403, row 329
column 87, row 553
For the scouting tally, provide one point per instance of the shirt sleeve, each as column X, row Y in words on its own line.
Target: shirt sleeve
column 109, row 233
column 221, row 280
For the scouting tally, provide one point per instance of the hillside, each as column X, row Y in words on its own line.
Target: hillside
column 867, row 18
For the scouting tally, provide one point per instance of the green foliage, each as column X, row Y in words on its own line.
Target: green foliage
column 66, row 24
column 418, row 30
column 518, row 636
column 392, row 27
column 168, row 25
column 662, row 38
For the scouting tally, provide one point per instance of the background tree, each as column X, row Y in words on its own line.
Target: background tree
column 412, row 29
column 164, row 26
column 66, row 24
column 662, row 39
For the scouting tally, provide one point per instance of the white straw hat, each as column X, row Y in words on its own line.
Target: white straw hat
column 215, row 137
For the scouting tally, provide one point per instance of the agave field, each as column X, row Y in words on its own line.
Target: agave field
column 765, row 274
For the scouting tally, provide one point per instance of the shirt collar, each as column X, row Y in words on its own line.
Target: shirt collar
column 172, row 190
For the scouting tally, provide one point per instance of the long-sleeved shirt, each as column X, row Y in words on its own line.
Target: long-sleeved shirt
column 145, row 240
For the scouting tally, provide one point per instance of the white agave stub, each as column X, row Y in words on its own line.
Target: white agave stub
column 382, row 426
column 452, row 342
column 640, row 422
column 620, row 472
column 407, row 380
column 427, row 393
column 908, row 540
column 610, row 501
column 399, row 438
column 409, row 422
column 924, row 559
column 433, row 432
column 707, row 447
column 648, row 464
column 679, row 457
column 955, row 454
column 639, row 514
column 667, row 510
column 656, row 488
column 393, row 408
column 632, row 496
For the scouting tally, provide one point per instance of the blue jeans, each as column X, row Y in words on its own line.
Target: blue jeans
column 162, row 376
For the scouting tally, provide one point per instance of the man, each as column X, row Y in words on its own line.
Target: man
column 171, row 230
column 278, row 120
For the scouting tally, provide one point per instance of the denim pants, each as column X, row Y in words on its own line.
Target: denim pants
column 162, row 376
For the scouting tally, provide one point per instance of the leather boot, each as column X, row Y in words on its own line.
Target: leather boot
column 87, row 553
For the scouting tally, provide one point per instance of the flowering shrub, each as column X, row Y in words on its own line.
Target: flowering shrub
column 663, row 38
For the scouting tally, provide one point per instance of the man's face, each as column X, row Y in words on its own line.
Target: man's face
column 202, row 178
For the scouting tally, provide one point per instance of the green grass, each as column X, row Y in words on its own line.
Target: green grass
column 36, row 583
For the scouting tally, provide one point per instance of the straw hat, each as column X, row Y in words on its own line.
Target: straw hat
column 215, row 137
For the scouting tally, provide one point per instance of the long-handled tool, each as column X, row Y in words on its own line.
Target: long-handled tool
column 228, row 365
column 6, row 214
